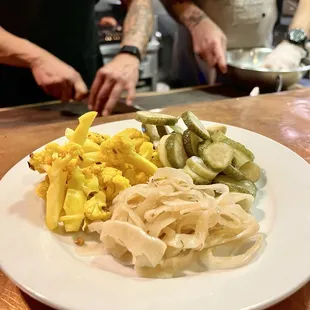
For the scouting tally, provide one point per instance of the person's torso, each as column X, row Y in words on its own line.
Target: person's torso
column 246, row 23
column 66, row 28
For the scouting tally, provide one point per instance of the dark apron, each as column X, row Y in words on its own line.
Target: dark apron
column 66, row 28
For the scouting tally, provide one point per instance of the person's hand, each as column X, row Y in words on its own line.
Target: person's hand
column 108, row 21
column 209, row 43
column 122, row 73
column 286, row 56
column 58, row 79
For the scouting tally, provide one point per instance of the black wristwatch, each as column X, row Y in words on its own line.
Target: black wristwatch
column 298, row 37
column 132, row 50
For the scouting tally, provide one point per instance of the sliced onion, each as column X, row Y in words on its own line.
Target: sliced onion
column 161, row 227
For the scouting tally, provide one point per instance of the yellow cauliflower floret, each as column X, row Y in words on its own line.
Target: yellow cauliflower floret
column 42, row 188
column 112, row 182
column 146, row 150
column 57, row 175
column 80, row 133
column 94, row 208
column 155, row 159
column 136, row 136
column 135, row 177
column 121, row 149
column 91, row 185
column 97, row 137
column 91, row 158
column 90, row 146
column 94, row 169
column 53, row 151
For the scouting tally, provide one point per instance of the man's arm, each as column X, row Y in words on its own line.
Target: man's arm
column 287, row 55
column 185, row 12
column 301, row 18
column 209, row 41
column 16, row 51
column 138, row 24
column 122, row 73
column 55, row 77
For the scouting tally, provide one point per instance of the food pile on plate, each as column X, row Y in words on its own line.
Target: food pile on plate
column 163, row 198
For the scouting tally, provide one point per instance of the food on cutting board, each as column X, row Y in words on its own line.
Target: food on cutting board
column 162, row 198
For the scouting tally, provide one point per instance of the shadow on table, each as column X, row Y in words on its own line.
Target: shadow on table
column 34, row 304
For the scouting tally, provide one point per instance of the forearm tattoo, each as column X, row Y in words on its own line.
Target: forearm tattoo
column 138, row 25
column 188, row 13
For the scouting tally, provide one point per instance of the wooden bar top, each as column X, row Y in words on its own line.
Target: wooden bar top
column 283, row 117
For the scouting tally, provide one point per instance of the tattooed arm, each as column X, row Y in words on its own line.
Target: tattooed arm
column 138, row 25
column 185, row 12
column 209, row 41
column 122, row 73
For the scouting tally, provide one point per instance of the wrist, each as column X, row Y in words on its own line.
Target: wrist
column 33, row 55
column 128, row 58
column 132, row 51
column 189, row 14
column 300, row 49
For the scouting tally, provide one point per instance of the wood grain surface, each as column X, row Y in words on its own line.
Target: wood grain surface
column 283, row 117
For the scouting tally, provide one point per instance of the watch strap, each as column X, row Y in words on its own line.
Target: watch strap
column 132, row 50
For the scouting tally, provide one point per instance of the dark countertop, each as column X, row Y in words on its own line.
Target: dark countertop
column 51, row 112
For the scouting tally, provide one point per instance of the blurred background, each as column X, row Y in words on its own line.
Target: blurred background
column 156, row 68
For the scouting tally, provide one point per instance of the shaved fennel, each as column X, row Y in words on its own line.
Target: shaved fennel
column 163, row 227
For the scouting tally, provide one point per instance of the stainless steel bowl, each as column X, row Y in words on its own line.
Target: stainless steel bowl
column 245, row 66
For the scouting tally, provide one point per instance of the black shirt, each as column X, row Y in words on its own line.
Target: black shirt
column 66, row 28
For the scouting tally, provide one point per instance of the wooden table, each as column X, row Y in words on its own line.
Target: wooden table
column 284, row 117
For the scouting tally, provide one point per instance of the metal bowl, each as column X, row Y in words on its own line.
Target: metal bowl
column 245, row 66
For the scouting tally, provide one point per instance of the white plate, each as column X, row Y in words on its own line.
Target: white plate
column 48, row 268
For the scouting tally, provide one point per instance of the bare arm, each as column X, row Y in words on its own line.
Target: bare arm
column 301, row 18
column 16, row 51
column 54, row 76
column 185, row 12
column 209, row 41
column 138, row 25
column 122, row 73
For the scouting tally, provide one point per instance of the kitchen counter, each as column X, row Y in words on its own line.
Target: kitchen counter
column 52, row 112
column 284, row 117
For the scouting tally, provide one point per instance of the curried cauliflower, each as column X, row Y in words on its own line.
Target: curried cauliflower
column 88, row 146
column 56, row 192
column 155, row 159
column 39, row 161
column 91, row 185
column 135, row 135
column 42, row 188
column 74, row 202
column 80, row 133
column 94, row 208
column 97, row 137
column 91, row 158
column 111, row 180
column 85, row 174
column 146, row 150
column 121, row 149
column 134, row 176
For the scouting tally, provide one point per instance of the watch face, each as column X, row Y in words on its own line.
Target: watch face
column 297, row 36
